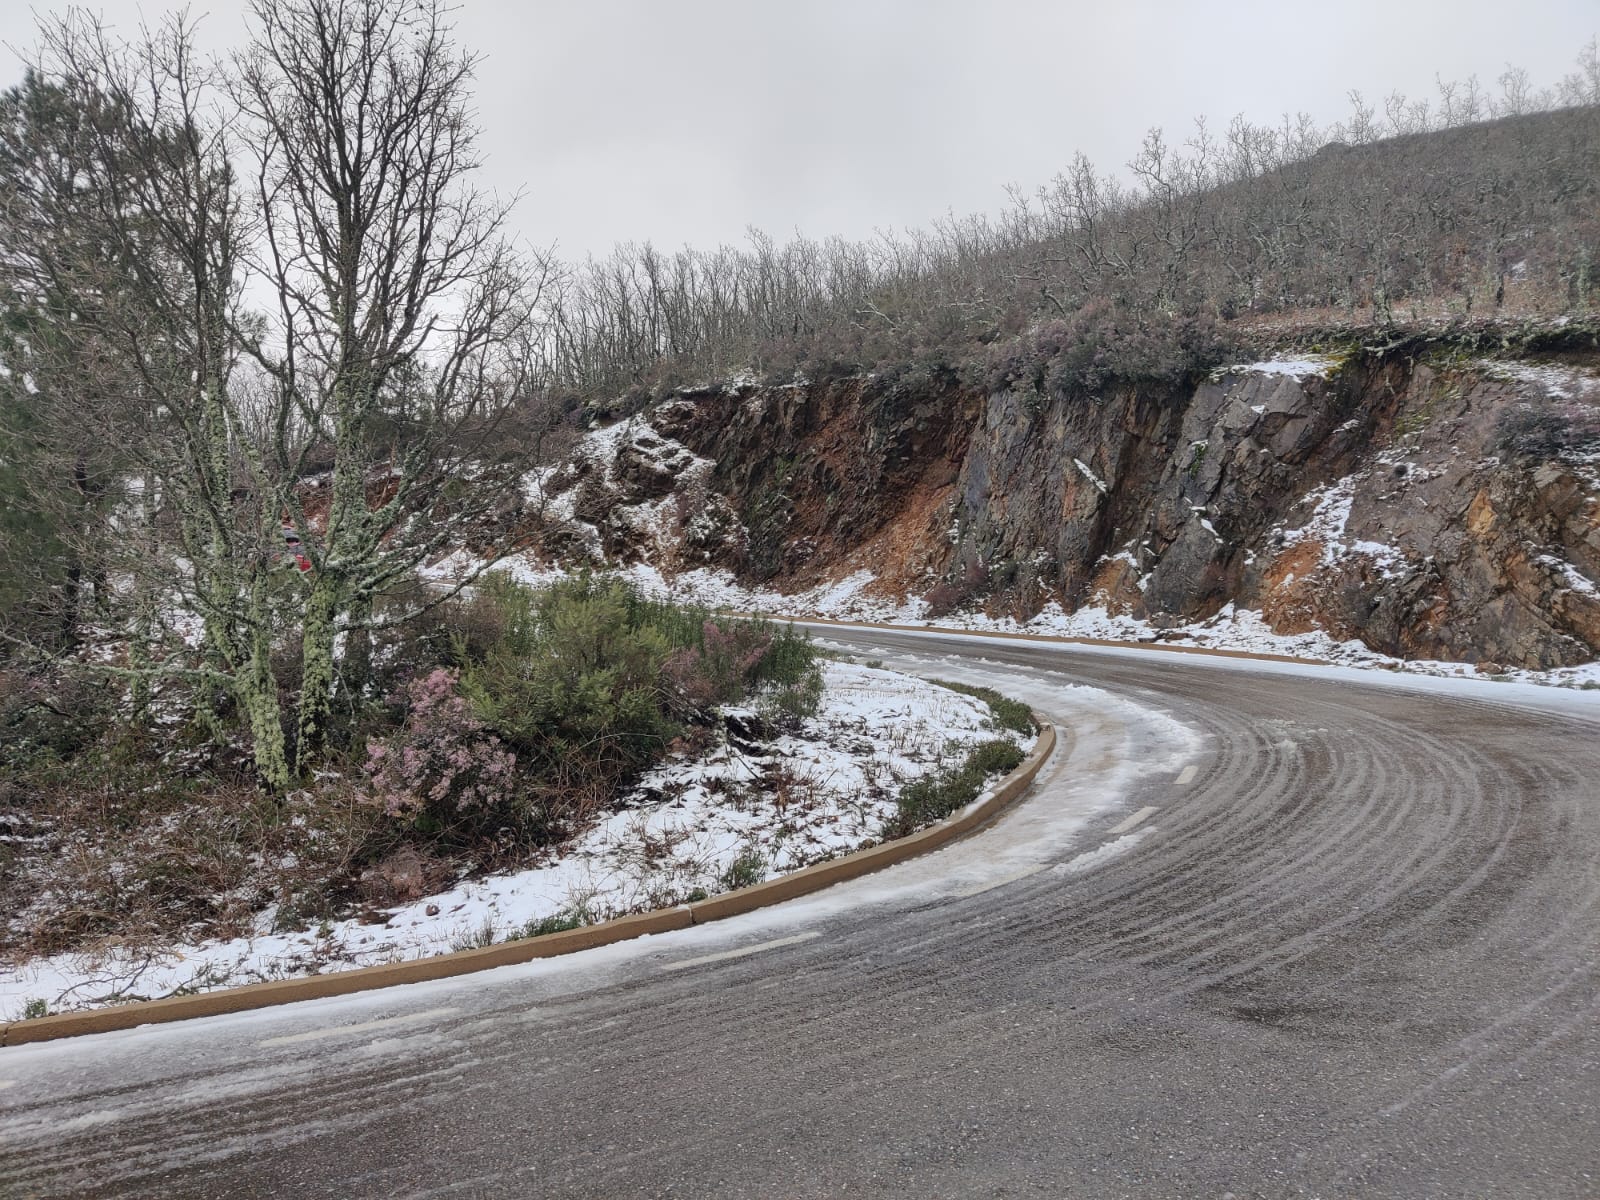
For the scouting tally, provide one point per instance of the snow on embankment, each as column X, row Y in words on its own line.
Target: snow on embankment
column 857, row 598
column 1233, row 628
column 1304, row 366
column 1435, row 515
column 756, row 804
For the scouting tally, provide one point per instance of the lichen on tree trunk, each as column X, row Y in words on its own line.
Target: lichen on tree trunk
column 257, row 690
column 355, row 671
column 317, row 668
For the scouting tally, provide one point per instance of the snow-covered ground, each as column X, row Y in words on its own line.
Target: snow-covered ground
column 851, row 598
column 1558, row 381
column 770, row 804
column 1243, row 629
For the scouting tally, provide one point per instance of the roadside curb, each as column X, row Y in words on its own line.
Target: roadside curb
column 464, row 962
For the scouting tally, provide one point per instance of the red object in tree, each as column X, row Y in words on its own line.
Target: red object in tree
column 291, row 542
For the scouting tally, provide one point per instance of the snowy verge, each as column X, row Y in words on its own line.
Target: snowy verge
column 855, row 598
column 1242, row 629
column 757, row 804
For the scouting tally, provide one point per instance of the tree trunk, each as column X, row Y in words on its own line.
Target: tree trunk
column 355, row 669
column 257, row 689
column 71, row 603
column 145, row 603
column 317, row 673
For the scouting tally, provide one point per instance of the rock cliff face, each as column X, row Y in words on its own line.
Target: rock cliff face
column 1430, row 511
column 834, row 475
column 1431, row 507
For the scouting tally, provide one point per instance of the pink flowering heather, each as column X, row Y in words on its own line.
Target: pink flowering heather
column 442, row 761
column 717, row 673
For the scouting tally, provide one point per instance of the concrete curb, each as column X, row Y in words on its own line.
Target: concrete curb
column 464, row 962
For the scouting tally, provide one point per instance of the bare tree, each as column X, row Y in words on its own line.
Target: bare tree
column 1582, row 86
column 403, row 333
column 152, row 275
column 397, row 340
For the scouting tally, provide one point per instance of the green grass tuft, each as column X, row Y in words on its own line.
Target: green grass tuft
column 1007, row 713
column 936, row 796
column 558, row 922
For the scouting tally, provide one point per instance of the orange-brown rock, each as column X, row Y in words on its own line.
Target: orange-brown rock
column 1387, row 498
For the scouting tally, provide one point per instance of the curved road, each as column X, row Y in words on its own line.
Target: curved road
column 1259, row 932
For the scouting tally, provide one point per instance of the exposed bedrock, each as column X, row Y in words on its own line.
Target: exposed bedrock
column 1440, row 507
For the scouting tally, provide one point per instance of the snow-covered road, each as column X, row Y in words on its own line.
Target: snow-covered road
column 1260, row 928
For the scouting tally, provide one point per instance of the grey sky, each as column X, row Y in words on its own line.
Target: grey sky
column 684, row 121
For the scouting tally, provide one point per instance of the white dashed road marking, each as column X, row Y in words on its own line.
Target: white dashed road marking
column 1188, row 774
column 314, row 1035
column 977, row 889
column 740, row 952
column 1138, row 818
column 1104, row 853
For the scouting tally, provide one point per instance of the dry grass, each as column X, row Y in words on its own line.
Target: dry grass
column 98, row 856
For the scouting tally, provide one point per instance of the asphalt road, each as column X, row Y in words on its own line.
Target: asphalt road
column 1256, row 933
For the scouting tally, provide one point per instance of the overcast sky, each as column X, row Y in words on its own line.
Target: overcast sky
column 684, row 121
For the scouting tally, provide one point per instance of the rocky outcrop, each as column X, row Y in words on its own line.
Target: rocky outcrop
column 1384, row 500
column 1453, row 542
column 832, row 475
column 1439, row 507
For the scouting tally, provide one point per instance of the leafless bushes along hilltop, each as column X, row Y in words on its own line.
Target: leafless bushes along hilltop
column 1471, row 205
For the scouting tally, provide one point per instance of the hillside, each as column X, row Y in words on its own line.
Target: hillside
column 1204, row 244
column 1430, row 499
column 1344, row 378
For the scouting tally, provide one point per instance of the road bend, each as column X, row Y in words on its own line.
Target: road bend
column 1258, row 930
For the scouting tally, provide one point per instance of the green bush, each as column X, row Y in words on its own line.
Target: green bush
column 786, row 705
column 747, row 869
column 790, row 656
column 573, row 684
column 588, row 681
column 995, row 758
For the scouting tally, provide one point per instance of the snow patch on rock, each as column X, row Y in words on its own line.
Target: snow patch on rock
column 1330, row 518
column 1554, row 380
column 1305, row 366
column 1083, row 468
column 1575, row 579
